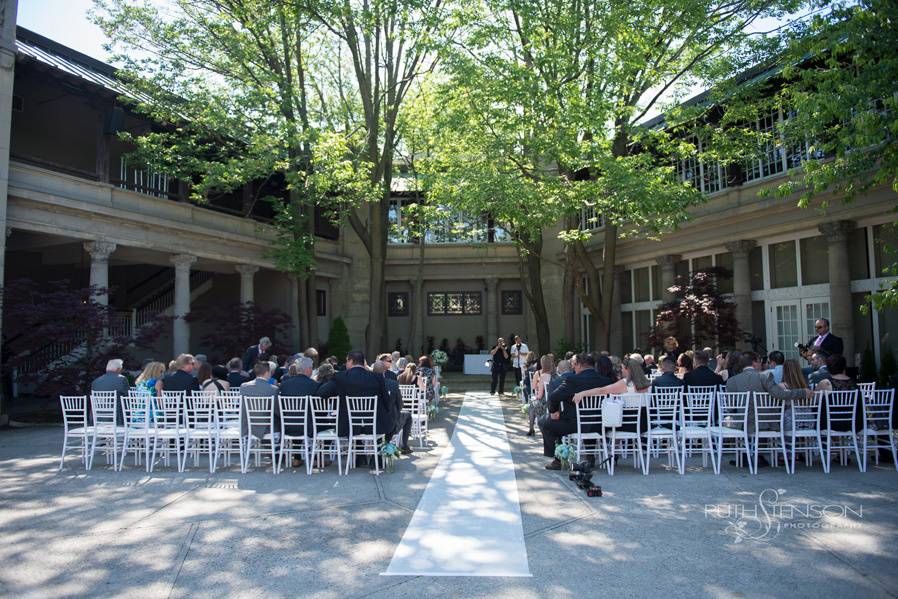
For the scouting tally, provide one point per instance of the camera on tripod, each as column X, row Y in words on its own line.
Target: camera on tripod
column 581, row 474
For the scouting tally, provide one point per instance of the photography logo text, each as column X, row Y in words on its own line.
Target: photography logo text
column 764, row 519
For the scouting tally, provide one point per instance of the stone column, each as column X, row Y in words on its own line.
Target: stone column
column 667, row 263
column 181, row 328
column 840, row 284
column 247, row 271
column 742, row 285
column 7, row 65
column 492, row 318
column 419, row 305
column 99, row 267
column 616, row 325
column 293, row 295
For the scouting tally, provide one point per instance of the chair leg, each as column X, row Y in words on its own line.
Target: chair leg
column 65, row 444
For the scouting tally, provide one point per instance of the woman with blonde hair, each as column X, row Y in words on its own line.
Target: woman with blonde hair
column 150, row 380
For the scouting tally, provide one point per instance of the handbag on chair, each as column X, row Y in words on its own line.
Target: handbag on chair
column 612, row 412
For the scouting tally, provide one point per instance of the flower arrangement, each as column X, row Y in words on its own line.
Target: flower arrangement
column 525, row 409
column 389, row 452
column 432, row 410
column 439, row 357
column 444, row 390
column 564, row 453
column 516, row 390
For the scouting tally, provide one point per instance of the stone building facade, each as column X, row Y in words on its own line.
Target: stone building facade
column 72, row 207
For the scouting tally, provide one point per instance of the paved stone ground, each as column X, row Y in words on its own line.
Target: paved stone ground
column 103, row 533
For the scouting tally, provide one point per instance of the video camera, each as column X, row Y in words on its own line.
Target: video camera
column 581, row 474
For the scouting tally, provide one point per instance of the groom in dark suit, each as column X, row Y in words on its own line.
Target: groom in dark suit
column 562, row 417
column 358, row 381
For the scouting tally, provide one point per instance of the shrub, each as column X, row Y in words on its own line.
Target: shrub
column 338, row 343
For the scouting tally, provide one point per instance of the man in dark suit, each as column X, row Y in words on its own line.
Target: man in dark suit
column 701, row 375
column 402, row 420
column 254, row 353
column 182, row 379
column 667, row 378
column 260, row 387
column 235, row 373
column 389, row 374
column 301, row 385
column 562, row 417
column 358, row 381
column 825, row 340
column 564, row 372
column 112, row 380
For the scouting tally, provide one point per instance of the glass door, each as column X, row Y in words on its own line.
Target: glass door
column 785, row 327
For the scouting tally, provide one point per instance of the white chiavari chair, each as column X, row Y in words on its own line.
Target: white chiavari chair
column 663, row 412
column 74, row 422
column 363, row 437
column 804, row 432
column 259, row 413
column 589, row 440
column 106, row 428
column 732, row 425
column 325, row 438
column 878, row 409
column 626, row 439
column 201, row 418
column 841, row 430
column 768, row 426
column 294, row 434
column 696, row 413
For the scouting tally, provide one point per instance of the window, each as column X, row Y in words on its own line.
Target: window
column 783, row 272
column 770, row 161
column 858, row 260
column 397, row 303
column 512, row 302
column 703, row 263
column 321, row 302
column 590, row 220
column 626, row 289
column 641, row 278
column 814, row 260
column 885, row 247
column 452, row 304
column 707, row 177
column 725, row 284
column 756, row 268
column 657, row 292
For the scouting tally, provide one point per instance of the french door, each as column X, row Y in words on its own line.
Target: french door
column 792, row 322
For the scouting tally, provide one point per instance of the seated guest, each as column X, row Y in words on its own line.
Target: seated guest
column 200, row 359
column 402, row 419
column 301, row 383
column 684, row 364
column 820, row 369
column 667, row 377
column 261, row 387
column 387, row 359
column 272, row 369
column 776, row 360
column 427, row 379
column 279, row 368
column 235, row 373
column 400, row 365
column 632, row 381
column 409, row 376
column 562, row 412
column 605, row 367
column 396, row 356
column 172, row 367
column 325, row 373
column 750, row 378
column 728, row 364
column 358, row 381
column 312, row 354
column 112, row 380
column 701, row 375
column 838, row 380
column 208, row 383
column 220, row 374
column 293, row 370
column 562, row 371
column 182, row 379
column 150, row 380
column 648, row 364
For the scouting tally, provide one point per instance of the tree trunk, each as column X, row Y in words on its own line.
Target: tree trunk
column 568, row 299
column 529, row 252
column 377, row 227
column 603, row 331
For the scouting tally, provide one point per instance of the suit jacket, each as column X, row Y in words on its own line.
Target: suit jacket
column 300, row 385
column 395, row 404
column 668, row 379
column 251, row 356
column 562, row 398
column 556, row 381
column 261, row 388
column 180, row 381
column 355, row 382
column 110, row 382
column 391, row 376
column 235, row 379
column 752, row 380
column 702, row 377
column 831, row 344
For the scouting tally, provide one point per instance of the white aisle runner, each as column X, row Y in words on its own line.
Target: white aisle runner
column 468, row 522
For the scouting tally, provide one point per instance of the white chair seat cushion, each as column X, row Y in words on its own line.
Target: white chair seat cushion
column 586, row 436
column 622, row 435
column 766, row 434
column 170, row 433
column 229, row 433
column 880, row 431
column 326, row 434
column 80, row 431
column 694, row 430
column 803, row 433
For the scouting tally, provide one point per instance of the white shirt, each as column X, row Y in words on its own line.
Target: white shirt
column 519, row 355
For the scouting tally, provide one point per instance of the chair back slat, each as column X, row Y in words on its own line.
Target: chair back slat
column 878, row 408
column 840, row 406
column 201, row 411
column 230, row 410
column 589, row 413
column 259, row 410
column 74, row 410
column 768, row 409
column 362, row 414
column 732, row 408
column 664, row 406
column 806, row 411
column 632, row 409
column 294, row 409
column 325, row 413
column 697, row 406
column 137, row 410
column 103, row 408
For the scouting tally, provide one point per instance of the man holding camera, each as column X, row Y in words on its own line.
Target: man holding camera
column 519, row 353
column 498, row 366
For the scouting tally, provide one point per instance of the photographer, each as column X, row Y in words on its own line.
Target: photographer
column 498, row 366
